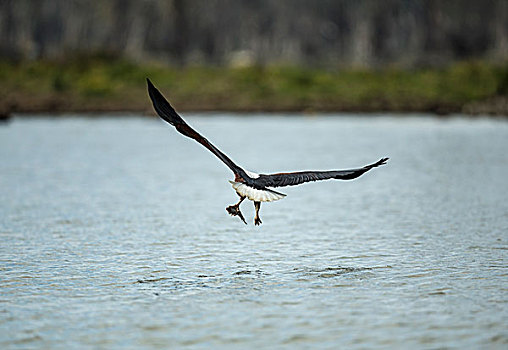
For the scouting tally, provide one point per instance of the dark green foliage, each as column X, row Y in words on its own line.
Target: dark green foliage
column 96, row 82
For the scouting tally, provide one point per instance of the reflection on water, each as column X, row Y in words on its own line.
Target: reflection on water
column 114, row 234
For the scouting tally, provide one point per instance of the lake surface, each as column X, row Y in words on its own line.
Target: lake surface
column 114, row 235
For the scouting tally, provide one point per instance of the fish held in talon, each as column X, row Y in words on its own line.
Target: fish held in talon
column 255, row 187
column 234, row 210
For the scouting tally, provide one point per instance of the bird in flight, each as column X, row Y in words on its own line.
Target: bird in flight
column 256, row 187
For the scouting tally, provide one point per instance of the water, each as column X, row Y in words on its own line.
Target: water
column 114, row 235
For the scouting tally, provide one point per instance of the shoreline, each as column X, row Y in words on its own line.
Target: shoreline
column 100, row 85
column 496, row 107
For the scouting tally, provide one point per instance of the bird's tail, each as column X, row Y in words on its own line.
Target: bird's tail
column 162, row 106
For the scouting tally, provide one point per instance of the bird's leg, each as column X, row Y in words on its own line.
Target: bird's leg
column 234, row 210
column 257, row 220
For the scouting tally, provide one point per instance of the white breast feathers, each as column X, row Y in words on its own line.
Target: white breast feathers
column 256, row 195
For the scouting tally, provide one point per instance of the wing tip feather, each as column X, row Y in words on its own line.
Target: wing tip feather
column 380, row 162
column 162, row 105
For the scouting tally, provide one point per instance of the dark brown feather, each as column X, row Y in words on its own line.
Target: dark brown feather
column 168, row 114
column 297, row 178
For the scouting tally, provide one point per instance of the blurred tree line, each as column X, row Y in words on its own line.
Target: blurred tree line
column 342, row 33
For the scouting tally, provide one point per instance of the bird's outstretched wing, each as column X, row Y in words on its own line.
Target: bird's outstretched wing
column 291, row 179
column 167, row 113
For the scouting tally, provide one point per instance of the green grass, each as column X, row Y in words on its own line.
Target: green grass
column 105, row 83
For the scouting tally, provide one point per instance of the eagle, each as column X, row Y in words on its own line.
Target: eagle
column 255, row 187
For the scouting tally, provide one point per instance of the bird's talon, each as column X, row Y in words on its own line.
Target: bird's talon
column 234, row 210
